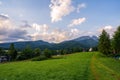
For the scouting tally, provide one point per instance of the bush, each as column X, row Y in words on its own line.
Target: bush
column 20, row 57
column 48, row 53
column 40, row 58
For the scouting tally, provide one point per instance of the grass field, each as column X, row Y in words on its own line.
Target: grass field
column 78, row 66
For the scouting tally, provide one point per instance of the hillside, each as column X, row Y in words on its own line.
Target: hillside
column 79, row 66
column 83, row 42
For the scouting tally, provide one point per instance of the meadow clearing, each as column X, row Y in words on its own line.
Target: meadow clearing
column 77, row 66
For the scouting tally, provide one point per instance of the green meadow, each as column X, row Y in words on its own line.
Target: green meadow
column 77, row 66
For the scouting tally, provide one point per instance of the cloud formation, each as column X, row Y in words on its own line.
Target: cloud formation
column 9, row 32
column 109, row 29
column 80, row 6
column 76, row 22
column 44, row 32
column 40, row 28
column 59, row 9
column 53, row 34
column 5, row 22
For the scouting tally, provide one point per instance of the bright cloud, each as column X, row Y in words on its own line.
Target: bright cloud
column 5, row 22
column 60, row 8
column 74, row 31
column 110, row 29
column 40, row 28
column 76, row 22
column 55, row 35
column 80, row 6
column 107, row 28
column 9, row 32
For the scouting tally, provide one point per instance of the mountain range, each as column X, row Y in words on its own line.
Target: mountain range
column 82, row 42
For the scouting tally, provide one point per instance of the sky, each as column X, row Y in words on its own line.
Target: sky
column 56, row 20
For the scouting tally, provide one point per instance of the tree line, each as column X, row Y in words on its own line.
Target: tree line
column 36, row 54
column 109, row 46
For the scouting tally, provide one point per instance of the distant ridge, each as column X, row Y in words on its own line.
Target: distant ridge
column 83, row 42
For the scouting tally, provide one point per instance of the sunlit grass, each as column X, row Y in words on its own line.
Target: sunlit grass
column 78, row 66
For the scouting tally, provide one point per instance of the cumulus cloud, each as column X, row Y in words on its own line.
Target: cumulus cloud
column 76, row 22
column 59, row 35
column 107, row 28
column 9, row 32
column 60, row 8
column 5, row 22
column 74, row 31
column 80, row 6
column 40, row 28
column 55, row 35
column 110, row 29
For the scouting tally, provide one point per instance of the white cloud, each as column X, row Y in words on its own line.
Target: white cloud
column 76, row 22
column 55, row 35
column 5, row 22
column 9, row 32
column 74, row 31
column 60, row 8
column 80, row 6
column 40, row 28
column 109, row 29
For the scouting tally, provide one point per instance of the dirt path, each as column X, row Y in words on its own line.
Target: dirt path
column 95, row 74
column 96, row 64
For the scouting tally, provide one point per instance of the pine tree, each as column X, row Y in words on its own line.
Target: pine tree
column 116, row 41
column 104, row 43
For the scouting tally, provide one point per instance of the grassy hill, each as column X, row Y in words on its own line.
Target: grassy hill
column 78, row 66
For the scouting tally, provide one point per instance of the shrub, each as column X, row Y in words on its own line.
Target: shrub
column 48, row 53
column 40, row 58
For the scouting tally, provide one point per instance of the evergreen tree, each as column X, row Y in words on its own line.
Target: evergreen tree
column 104, row 43
column 116, row 41
column 2, row 52
column 48, row 53
column 12, row 51
column 27, row 52
column 37, row 52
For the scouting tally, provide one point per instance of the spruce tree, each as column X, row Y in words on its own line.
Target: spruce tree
column 116, row 41
column 104, row 43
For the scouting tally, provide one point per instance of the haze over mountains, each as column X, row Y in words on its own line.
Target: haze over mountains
column 81, row 42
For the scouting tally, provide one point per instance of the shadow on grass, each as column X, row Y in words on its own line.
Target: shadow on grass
column 58, row 57
column 52, row 58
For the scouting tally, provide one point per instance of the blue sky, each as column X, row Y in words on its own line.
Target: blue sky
column 56, row 20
